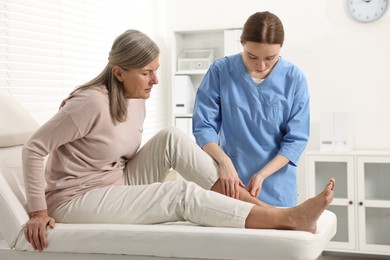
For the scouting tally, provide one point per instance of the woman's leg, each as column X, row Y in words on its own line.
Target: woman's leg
column 181, row 200
column 154, row 203
column 302, row 217
column 172, row 148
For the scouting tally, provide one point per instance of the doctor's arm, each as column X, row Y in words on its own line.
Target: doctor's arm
column 206, row 122
column 294, row 140
column 256, row 182
column 227, row 172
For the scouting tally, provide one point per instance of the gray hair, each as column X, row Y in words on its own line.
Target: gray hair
column 132, row 49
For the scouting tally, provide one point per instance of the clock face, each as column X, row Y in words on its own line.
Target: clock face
column 367, row 10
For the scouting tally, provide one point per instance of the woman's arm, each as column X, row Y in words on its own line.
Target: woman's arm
column 49, row 136
column 57, row 131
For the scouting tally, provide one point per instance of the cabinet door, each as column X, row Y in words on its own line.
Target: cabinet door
column 232, row 43
column 373, row 173
column 322, row 167
column 185, row 124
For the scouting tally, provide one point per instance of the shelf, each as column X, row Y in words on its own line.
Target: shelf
column 182, row 115
column 377, row 203
column 191, row 58
column 340, row 201
column 191, row 72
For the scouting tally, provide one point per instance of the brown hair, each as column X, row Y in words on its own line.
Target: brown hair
column 263, row 27
column 132, row 49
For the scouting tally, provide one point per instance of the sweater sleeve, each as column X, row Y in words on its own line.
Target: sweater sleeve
column 57, row 131
column 64, row 127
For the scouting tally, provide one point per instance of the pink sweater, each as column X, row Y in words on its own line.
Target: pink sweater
column 87, row 150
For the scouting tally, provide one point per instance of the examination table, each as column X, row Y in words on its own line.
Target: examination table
column 179, row 240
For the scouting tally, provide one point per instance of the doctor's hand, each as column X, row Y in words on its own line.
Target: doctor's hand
column 35, row 229
column 229, row 179
column 255, row 184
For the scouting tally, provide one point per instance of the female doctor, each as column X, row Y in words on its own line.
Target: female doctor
column 251, row 115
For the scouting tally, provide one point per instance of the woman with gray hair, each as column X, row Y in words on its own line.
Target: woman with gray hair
column 97, row 173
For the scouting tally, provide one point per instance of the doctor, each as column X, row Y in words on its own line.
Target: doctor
column 251, row 115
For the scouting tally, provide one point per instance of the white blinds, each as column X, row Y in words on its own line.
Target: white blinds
column 48, row 47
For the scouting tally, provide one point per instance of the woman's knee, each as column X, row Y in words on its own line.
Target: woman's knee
column 188, row 187
column 173, row 135
column 172, row 132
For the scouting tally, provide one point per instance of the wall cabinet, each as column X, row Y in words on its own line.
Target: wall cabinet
column 186, row 79
column 362, row 198
column 184, row 122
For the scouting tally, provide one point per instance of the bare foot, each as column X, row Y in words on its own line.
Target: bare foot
column 305, row 215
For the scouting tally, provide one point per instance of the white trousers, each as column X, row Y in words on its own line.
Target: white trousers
column 146, row 199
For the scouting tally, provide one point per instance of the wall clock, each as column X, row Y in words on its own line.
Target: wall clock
column 367, row 10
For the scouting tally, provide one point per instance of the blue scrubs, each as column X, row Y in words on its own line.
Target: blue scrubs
column 253, row 123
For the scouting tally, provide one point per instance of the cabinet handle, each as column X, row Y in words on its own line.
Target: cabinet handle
column 361, row 203
column 350, row 202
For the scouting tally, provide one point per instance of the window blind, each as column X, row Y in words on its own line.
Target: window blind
column 47, row 48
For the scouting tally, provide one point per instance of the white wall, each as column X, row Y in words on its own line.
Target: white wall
column 346, row 62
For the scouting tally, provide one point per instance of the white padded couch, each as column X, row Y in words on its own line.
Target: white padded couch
column 181, row 240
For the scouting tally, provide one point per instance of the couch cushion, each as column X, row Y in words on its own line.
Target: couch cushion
column 186, row 240
column 12, row 213
column 11, row 169
column 16, row 124
column 13, row 204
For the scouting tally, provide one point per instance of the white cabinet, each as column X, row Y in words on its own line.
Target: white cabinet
column 188, row 75
column 232, row 41
column 184, row 122
column 322, row 167
column 362, row 198
column 373, row 185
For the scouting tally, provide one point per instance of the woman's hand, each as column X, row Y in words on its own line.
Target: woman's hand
column 35, row 229
column 255, row 184
column 229, row 179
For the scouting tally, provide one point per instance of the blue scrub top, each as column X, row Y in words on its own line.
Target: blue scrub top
column 253, row 123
